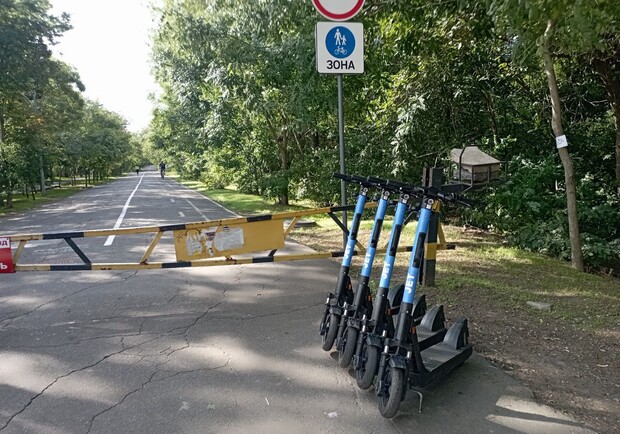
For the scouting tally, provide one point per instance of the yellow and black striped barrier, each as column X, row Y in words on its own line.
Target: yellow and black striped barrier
column 200, row 244
column 186, row 264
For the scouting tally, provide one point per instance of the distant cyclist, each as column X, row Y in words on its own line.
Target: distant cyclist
column 162, row 169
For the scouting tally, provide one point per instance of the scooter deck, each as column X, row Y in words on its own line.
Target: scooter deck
column 428, row 338
column 439, row 360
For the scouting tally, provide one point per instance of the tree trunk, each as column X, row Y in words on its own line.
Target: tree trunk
column 2, row 144
column 42, row 175
column 9, row 185
column 607, row 67
column 556, row 124
column 491, row 109
column 9, row 196
column 283, row 150
column 618, row 153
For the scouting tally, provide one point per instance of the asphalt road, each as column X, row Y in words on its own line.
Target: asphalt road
column 200, row 350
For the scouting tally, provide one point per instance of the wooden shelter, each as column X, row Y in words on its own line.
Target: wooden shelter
column 472, row 166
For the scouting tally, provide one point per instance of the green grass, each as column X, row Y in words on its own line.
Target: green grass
column 509, row 277
column 244, row 204
column 22, row 203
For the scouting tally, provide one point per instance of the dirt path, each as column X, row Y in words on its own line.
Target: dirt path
column 570, row 370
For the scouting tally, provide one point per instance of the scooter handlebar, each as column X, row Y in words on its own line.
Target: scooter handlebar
column 386, row 184
column 389, row 184
column 421, row 191
column 446, row 197
column 366, row 181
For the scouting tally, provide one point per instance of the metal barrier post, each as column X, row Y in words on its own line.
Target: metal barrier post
column 433, row 177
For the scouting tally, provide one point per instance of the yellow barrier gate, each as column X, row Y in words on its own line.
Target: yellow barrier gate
column 201, row 244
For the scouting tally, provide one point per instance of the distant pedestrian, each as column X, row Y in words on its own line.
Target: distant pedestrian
column 137, row 171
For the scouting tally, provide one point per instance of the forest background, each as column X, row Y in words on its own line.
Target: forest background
column 242, row 104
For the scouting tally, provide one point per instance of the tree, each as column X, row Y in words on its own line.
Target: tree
column 533, row 25
column 606, row 61
column 26, row 30
column 569, row 173
column 243, row 104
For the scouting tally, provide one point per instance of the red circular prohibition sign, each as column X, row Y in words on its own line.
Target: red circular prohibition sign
column 337, row 16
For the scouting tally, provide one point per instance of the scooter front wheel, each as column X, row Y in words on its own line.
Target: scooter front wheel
column 350, row 343
column 368, row 368
column 389, row 402
column 331, row 331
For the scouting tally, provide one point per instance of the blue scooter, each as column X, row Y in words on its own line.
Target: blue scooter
column 333, row 310
column 403, row 362
column 362, row 303
column 380, row 324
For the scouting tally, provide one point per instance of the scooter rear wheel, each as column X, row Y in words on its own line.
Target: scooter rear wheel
column 389, row 403
column 367, row 371
column 332, row 330
column 345, row 356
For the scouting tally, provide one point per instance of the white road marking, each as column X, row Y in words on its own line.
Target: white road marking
column 181, row 214
column 119, row 221
column 212, row 201
column 171, row 200
column 199, row 212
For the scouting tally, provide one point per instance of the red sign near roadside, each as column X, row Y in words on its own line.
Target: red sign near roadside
column 6, row 258
column 338, row 10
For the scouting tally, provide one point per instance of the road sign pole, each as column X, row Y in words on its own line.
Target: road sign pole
column 337, row 53
column 343, row 188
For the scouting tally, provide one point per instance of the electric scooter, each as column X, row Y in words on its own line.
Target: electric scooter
column 362, row 306
column 403, row 362
column 343, row 293
column 362, row 303
column 386, row 304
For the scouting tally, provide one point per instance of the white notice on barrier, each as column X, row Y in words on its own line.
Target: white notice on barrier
column 229, row 239
column 209, row 241
column 200, row 243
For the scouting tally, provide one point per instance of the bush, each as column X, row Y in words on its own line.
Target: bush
column 530, row 209
column 599, row 221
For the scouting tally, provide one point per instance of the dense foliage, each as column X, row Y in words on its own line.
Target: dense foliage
column 243, row 104
column 46, row 125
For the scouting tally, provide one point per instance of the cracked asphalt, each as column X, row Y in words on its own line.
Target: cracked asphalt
column 200, row 350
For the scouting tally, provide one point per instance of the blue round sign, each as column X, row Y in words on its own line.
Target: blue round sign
column 340, row 42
